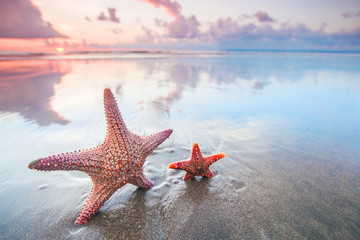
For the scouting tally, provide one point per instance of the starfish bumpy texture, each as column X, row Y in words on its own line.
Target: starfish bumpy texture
column 197, row 165
column 117, row 161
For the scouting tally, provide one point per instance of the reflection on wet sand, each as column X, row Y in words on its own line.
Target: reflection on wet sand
column 159, row 107
column 259, row 71
column 27, row 88
column 180, row 76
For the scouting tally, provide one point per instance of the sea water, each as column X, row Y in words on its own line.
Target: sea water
column 288, row 122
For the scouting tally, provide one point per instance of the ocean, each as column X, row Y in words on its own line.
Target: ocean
column 288, row 122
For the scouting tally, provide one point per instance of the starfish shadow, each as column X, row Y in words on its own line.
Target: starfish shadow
column 194, row 210
column 128, row 218
column 197, row 189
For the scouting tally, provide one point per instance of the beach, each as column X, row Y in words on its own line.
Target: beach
column 288, row 123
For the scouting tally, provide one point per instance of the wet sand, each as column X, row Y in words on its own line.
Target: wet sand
column 276, row 194
column 292, row 168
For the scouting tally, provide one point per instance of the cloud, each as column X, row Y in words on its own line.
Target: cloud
column 224, row 29
column 173, row 8
column 112, row 13
column 112, row 16
column 258, row 85
column 21, row 19
column 148, row 37
column 263, row 17
column 183, row 27
column 116, row 30
column 226, row 33
column 102, row 17
column 351, row 14
column 322, row 26
column 231, row 34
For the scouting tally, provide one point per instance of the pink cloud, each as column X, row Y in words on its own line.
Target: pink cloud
column 102, row 17
column 351, row 14
column 260, row 16
column 112, row 13
column 224, row 29
column 184, row 27
column 263, row 17
column 229, row 33
column 148, row 37
column 228, row 30
column 21, row 19
column 112, row 16
column 181, row 26
column 173, row 8
column 116, row 30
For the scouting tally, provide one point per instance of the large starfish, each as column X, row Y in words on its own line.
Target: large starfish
column 117, row 161
column 197, row 165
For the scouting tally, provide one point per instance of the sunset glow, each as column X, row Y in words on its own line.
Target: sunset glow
column 60, row 49
column 165, row 24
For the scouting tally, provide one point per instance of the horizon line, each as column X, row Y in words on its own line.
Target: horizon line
column 12, row 54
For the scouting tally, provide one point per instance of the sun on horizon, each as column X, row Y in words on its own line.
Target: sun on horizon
column 60, row 49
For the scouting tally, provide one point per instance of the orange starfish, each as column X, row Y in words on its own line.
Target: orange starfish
column 197, row 165
column 117, row 161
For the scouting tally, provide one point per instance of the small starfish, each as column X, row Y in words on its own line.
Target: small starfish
column 117, row 161
column 197, row 165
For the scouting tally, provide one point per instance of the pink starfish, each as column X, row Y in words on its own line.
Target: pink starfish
column 117, row 161
column 197, row 165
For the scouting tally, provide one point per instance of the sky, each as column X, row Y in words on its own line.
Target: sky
column 95, row 25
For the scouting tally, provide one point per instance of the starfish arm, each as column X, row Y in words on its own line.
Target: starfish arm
column 117, row 133
column 149, row 143
column 189, row 176
column 100, row 193
column 213, row 158
column 196, row 153
column 185, row 165
column 142, row 181
column 79, row 160
column 208, row 173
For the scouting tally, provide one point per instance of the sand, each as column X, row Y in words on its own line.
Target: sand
column 269, row 195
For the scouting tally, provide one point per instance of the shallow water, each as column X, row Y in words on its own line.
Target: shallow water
column 289, row 124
